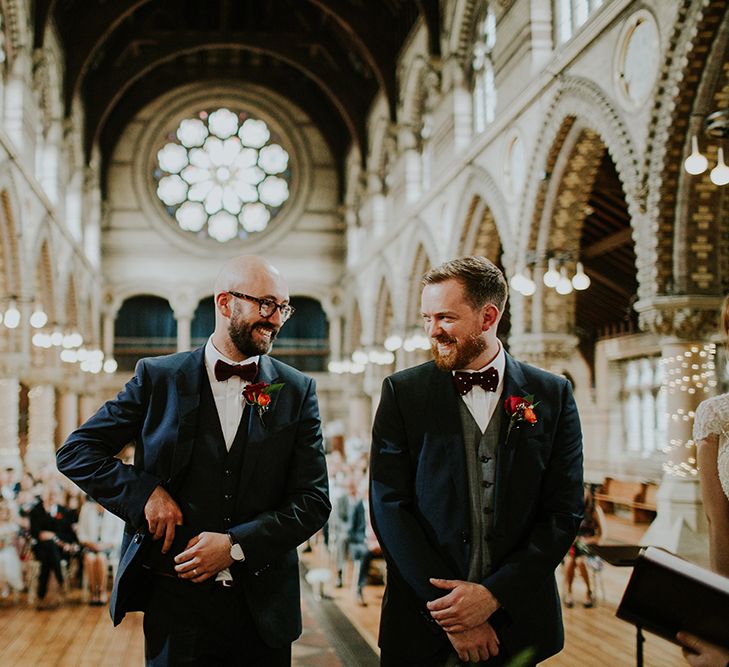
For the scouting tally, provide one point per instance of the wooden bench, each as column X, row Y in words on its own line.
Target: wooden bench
column 639, row 497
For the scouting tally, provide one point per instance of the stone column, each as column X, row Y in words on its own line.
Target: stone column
column 9, row 406
column 67, row 413
column 335, row 338
column 685, row 324
column 107, row 334
column 41, row 427
column 184, row 332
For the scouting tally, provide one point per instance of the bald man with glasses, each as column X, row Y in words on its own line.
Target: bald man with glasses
column 229, row 477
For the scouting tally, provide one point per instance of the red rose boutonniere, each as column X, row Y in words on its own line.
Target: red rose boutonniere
column 520, row 409
column 259, row 395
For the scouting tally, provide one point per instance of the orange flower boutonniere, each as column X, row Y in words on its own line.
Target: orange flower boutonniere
column 259, row 395
column 520, row 409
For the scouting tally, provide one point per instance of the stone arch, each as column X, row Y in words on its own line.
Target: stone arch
column 381, row 139
column 11, row 278
column 353, row 336
column 16, row 18
column 420, row 264
column 579, row 98
column 414, row 94
column 557, row 228
column 481, row 210
column 682, row 210
column 383, row 315
column 463, row 28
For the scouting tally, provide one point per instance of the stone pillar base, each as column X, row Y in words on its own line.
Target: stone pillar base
column 680, row 525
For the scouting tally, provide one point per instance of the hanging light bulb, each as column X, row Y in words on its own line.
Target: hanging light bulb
column 580, row 280
column 528, row 287
column 720, row 174
column 12, row 315
column 695, row 163
column 38, row 318
column 551, row 277
column 56, row 337
column 564, row 284
column 393, row 343
column 517, row 282
column 110, row 366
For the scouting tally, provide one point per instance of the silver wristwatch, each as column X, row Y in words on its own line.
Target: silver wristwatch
column 236, row 550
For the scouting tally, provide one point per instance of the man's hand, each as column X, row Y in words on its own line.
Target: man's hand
column 162, row 514
column 204, row 556
column 477, row 644
column 466, row 606
column 699, row 653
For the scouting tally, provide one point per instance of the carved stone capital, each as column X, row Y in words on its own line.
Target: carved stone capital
column 688, row 317
column 542, row 349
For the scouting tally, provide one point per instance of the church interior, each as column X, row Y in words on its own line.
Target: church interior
column 578, row 144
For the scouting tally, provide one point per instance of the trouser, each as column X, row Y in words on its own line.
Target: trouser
column 204, row 624
column 49, row 556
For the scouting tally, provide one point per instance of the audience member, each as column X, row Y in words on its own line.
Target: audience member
column 11, row 578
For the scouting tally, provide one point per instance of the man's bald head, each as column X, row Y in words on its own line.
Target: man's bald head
column 242, row 270
column 240, row 329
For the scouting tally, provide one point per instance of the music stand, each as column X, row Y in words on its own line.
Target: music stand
column 623, row 555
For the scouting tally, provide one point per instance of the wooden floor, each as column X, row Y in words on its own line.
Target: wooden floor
column 81, row 636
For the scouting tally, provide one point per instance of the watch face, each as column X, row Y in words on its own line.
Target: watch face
column 236, row 552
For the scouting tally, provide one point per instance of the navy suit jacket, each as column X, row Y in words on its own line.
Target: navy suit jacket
column 420, row 507
column 282, row 491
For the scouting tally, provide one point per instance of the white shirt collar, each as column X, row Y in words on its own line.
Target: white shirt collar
column 212, row 354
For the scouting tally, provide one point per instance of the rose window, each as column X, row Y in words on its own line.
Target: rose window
column 223, row 175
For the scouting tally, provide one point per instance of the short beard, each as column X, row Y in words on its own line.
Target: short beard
column 241, row 334
column 461, row 355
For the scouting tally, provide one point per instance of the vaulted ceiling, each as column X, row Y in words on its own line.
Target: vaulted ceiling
column 330, row 57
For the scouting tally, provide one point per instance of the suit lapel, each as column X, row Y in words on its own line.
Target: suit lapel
column 189, row 379
column 259, row 426
column 515, row 384
column 443, row 406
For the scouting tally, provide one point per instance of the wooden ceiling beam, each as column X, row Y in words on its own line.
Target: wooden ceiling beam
column 608, row 244
column 105, row 91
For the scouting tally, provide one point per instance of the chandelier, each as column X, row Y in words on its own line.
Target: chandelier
column 556, row 276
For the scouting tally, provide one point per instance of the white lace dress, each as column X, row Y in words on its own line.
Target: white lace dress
column 712, row 418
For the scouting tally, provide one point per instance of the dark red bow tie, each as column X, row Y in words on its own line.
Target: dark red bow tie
column 464, row 382
column 225, row 371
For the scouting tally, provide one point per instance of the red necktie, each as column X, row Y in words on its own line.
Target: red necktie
column 224, row 371
column 464, row 382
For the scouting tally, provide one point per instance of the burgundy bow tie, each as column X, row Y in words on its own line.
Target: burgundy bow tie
column 464, row 382
column 224, row 371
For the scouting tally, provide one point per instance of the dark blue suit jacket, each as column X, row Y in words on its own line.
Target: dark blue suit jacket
column 420, row 506
column 282, row 491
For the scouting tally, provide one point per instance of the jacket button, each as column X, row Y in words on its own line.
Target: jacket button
column 465, row 538
column 137, row 538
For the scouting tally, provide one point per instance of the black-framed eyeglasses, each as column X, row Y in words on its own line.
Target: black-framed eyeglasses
column 267, row 307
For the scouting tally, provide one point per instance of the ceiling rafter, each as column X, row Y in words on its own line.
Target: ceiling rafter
column 107, row 91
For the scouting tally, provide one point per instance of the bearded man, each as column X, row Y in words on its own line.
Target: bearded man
column 229, row 477
column 476, row 487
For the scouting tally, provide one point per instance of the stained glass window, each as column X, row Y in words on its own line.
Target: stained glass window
column 223, row 175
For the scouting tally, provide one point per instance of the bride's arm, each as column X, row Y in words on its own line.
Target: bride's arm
column 716, row 504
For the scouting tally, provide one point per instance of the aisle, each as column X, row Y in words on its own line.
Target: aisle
column 77, row 635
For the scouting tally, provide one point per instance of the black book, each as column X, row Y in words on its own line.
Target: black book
column 666, row 594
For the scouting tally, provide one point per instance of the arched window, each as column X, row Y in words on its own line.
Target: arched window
column 222, row 174
column 303, row 342
column 203, row 322
column 484, row 87
column 571, row 15
column 145, row 326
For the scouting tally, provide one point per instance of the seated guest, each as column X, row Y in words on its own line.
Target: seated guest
column 11, row 578
column 50, row 523
column 100, row 534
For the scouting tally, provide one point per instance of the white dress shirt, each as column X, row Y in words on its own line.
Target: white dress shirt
column 481, row 403
column 228, row 395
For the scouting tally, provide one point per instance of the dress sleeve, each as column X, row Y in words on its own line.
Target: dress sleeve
column 712, row 418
